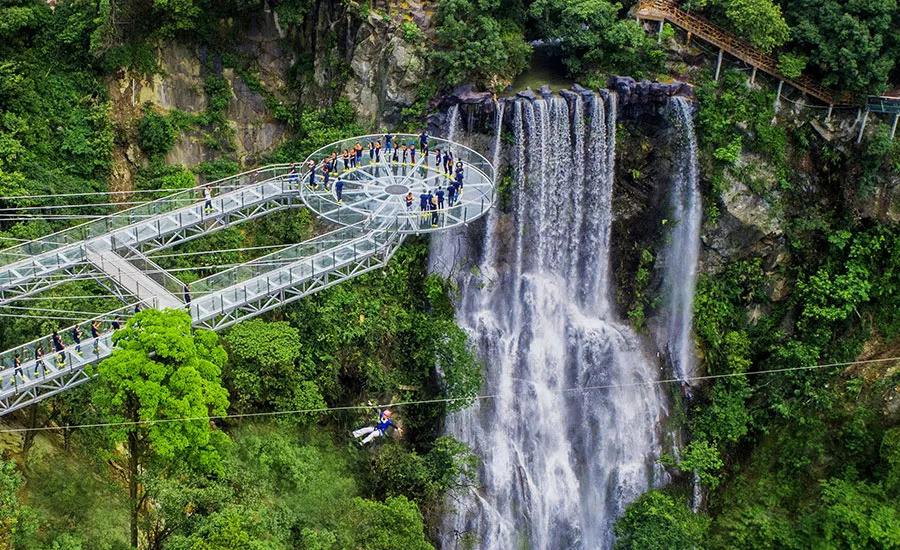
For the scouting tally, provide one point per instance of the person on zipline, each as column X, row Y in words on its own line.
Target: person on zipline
column 379, row 429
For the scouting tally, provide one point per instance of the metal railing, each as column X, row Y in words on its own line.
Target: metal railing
column 149, row 268
column 478, row 194
column 39, row 359
column 124, row 218
column 738, row 47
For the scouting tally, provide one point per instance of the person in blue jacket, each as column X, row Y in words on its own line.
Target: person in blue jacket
column 379, row 429
column 339, row 190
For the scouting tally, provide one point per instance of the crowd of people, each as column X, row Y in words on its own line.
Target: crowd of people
column 58, row 346
column 403, row 153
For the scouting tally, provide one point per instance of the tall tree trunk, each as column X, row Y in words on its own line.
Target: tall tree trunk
column 28, row 441
column 134, row 501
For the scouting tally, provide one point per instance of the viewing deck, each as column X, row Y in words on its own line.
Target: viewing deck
column 371, row 212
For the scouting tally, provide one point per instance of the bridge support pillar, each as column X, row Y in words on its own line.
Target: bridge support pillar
column 753, row 76
column 778, row 96
column 830, row 108
column 862, row 127
column 689, row 38
column 719, row 64
column 894, row 125
column 659, row 32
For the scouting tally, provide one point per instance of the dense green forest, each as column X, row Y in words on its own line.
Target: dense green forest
column 809, row 458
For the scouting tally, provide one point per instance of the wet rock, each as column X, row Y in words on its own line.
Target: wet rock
column 645, row 92
column 546, row 92
column 569, row 95
column 579, row 89
column 748, row 223
column 468, row 95
column 527, row 94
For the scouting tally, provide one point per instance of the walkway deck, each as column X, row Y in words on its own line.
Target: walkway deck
column 374, row 222
column 668, row 10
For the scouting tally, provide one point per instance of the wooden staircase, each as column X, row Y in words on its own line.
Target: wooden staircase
column 668, row 10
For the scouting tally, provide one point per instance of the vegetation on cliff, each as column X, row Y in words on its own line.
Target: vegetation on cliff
column 799, row 459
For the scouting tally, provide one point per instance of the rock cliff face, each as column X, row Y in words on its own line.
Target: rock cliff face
column 385, row 71
column 366, row 60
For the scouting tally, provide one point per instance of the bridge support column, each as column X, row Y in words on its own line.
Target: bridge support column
column 753, row 76
column 659, row 32
column 778, row 96
column 830, row 108
column 894, row 125
column 689, row 38
column 719, row 64
column 862, row 127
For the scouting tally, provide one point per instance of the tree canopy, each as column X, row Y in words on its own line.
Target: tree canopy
column 161, row 370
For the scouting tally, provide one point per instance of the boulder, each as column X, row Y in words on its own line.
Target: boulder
column 467, row 94
column 645, row 92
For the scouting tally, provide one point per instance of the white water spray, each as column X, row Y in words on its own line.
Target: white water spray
column 558, row 466
column 681, row 255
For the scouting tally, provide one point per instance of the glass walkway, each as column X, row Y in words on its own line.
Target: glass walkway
column 374, row 204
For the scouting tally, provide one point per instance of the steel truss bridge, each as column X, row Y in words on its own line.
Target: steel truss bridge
column 370, row 214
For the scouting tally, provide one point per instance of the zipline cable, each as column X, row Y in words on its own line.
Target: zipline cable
column 433, row 401
column 135, row 191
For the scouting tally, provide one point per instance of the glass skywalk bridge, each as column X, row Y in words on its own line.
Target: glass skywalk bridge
column 372, row 219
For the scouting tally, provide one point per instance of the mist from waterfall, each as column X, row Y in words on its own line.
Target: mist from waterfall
column 683, row 249
column 559, row 463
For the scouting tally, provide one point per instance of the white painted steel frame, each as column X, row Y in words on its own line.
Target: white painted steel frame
column 368, row 241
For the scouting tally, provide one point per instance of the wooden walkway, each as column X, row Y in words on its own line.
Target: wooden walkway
column 668, row 10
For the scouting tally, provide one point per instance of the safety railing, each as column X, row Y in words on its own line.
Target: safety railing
column 40, row 359
column 270, row 282
column 276, row 260
column 149, row 268
column 477, row 197
column 736, row 46
column 469, row 157
column 124, row 218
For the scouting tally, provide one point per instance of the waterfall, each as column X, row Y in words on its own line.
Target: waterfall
column 683, row 250
column 452, row 121
column 559, row 463
column 498, row 127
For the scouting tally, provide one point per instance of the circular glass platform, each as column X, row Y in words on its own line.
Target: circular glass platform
column 389, row 189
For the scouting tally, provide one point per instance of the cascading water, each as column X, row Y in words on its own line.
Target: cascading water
column 559, row 463
column 453, row 122
column 681, row 255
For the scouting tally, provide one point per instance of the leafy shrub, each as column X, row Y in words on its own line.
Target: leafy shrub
column 791, row 65
column 156, row 133
column 411, row 32
column 475, row 44
column 657, row 521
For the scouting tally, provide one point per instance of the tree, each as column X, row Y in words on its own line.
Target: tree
column 592, row 37
column 700, row 458
column 856, row 514
column 10, row 508
column 473, row 44
column 853, row 45
column 656, row 520
column 396, row 523
column 160, row 371
column 758, row 21
column 268, row 368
